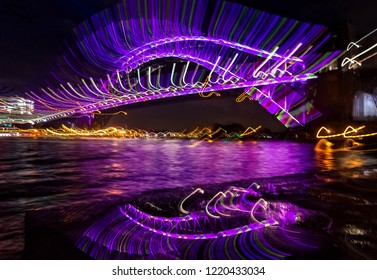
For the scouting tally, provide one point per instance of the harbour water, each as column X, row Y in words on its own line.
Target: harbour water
column 339, row 184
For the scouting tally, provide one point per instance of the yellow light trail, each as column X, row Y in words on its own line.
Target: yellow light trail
column 205, row 133
column 347, row 131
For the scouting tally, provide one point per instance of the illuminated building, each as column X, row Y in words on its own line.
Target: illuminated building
column 364, row 106
column 15, row 110
column 16, row 106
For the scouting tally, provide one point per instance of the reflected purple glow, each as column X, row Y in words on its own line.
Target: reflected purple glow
column 80, row 174
column 131, row 233
column 140, row 166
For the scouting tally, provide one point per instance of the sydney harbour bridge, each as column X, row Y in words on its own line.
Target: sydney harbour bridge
column 138, row 51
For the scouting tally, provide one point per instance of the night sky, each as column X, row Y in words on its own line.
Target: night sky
column 33, row 34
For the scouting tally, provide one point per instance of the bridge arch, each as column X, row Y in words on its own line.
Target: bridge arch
column 232, row 46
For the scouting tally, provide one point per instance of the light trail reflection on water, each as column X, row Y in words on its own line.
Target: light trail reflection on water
column 335, row 186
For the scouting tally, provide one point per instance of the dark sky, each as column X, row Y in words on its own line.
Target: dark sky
column 33, row 32
column 180, row 113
